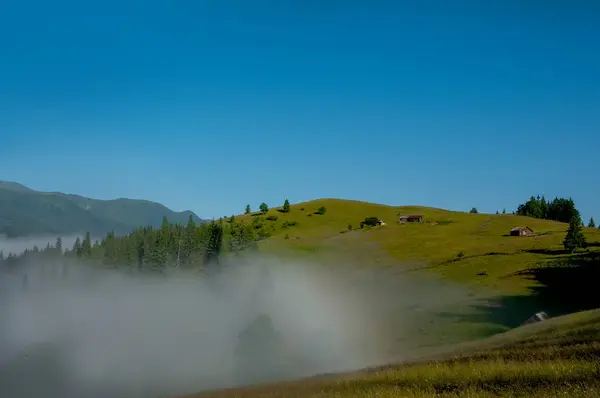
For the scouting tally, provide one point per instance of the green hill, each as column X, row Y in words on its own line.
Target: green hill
column 458, row 245
column 24, row 211
column 509, row 277
column 557, row 357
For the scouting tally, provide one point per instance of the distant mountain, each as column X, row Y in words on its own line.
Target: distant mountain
column 24, row 211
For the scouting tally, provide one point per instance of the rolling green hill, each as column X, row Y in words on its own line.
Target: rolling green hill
column 24, row 211
column 456, row 245
column 508, row 278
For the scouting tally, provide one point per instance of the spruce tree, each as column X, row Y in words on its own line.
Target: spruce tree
column 286, row 206
column 77, row 247
column 86, row 245
column 58, row 247
column 592, row 223
column 574, row 238
column 248, row 211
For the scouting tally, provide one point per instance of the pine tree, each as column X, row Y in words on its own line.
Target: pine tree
column 286, row 206
column 77, row 247
column 86, row 245
column 574, row 238
column 214, row 244
column 58, row 247
column 248, row 211
column 473, row 210
column 592, row 223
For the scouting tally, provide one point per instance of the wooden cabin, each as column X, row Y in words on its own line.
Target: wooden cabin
column 521, row 231
column 404, row 219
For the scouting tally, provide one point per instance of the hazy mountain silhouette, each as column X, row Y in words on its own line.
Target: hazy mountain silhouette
column 24, row 211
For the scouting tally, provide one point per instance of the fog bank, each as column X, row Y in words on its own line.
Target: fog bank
column 18, row 245
column 70, row 330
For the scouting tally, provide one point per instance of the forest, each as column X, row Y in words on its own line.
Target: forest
column 171, row 246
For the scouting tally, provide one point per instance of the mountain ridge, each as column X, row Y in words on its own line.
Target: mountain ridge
column 25, row 211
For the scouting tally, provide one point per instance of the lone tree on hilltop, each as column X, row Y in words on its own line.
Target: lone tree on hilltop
column 592, row 223
column 574, row 238
column 248, row 211
column 263, row 207
column 286, row 206
column 473, row 210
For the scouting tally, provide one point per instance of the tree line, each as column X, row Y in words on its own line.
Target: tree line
column 146, row 248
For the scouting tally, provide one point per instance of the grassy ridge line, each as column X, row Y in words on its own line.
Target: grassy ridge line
column 435, row 244
column 556, row 357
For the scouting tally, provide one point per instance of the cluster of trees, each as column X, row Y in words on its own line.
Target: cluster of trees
column 171, row 245
column 148, row 248
column 559, row 209
column 562, row 210
column 264, row 208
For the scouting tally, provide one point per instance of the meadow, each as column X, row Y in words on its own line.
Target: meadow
column 475, row 345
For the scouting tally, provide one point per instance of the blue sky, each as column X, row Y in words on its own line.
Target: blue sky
column 210, row 105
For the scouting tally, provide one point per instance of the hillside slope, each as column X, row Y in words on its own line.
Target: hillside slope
column 24, row 211
column 509, row 277
column 560, row 356
column 458, row 245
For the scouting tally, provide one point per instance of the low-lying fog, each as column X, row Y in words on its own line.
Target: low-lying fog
column 68, row 330
column 18, row 245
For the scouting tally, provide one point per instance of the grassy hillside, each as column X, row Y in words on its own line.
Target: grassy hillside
column 560, row 356
column 458, row 245
column 512, row 277
column 24, row 211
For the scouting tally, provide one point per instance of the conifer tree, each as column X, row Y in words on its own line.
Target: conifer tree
column 86, row 245
column 592, row 223
column 248, row 211
column 574, row 238
column 58, row 246
column 77, row 247
column 286, row 206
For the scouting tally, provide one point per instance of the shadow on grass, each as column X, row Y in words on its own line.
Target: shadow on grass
column 549, row 252
column 562, row 286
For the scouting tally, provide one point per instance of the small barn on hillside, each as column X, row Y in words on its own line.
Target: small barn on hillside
column 521, row 231
column 404, row 219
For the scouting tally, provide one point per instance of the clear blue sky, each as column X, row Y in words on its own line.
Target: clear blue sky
column 210, row 105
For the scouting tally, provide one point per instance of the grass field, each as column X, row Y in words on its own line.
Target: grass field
column 509, row 279
column 468, row 248
column 558, row 357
